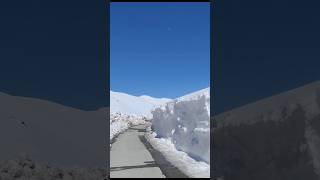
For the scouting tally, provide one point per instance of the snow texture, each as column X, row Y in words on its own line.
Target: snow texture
column 185, row 122
column 182, row 126
column 120, row 122
column 180, row 159
column 127, row 110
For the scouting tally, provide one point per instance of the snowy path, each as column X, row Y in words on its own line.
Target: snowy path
column 130, row 157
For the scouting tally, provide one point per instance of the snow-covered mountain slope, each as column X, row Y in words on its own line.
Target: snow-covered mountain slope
column 185, row 121
column 51, row 132
column 134, row 105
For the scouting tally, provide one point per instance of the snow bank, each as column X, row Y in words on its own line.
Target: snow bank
column 120, row 122
column 127, row 110
column 185, row 121
column 180, row 159
column 285, row 126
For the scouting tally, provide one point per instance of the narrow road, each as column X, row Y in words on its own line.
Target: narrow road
column 130, row 158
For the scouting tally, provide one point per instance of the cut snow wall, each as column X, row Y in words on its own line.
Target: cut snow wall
column 186, row 122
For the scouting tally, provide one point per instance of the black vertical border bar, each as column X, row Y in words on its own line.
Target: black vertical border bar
column 108, row 82
column 212, row 120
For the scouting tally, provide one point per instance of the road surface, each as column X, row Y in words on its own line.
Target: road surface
column 130, row 158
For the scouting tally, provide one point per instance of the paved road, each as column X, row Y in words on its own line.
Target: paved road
column 130, row 158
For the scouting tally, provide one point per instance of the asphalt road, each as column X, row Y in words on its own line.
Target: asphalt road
column 130, row 158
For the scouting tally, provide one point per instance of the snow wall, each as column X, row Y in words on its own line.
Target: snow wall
column 120, row 122
column 186, row 121
column 274, row 138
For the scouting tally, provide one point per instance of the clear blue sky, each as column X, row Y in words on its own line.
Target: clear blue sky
column 159, row 49
column 55, row 51
column 263, row 48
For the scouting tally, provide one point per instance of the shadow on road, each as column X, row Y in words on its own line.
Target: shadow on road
column 139, row 130
column 146, row 165
column 166, row 167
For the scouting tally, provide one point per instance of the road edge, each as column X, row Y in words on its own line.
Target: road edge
column 165, row 166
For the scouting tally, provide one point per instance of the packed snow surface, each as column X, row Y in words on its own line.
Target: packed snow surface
column 185, row 122
column 134, row 105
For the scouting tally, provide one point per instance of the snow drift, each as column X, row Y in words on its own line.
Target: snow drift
column 185, row 121
column 121, row 122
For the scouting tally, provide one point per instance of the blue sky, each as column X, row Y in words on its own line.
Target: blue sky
column 159, row 49
column 55, row 51
column 262, row 49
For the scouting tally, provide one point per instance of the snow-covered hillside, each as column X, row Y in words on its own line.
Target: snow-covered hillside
column 127, row 110
column 51, row 133
column 185, row 122
column 134, row 105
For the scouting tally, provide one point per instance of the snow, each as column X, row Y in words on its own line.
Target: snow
column 180, row 127
column 195, row 95
column 127, row 110
column 180, row 159
column 52, row 133
column 186, row 121
column 120, row 122
column 134, row 105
